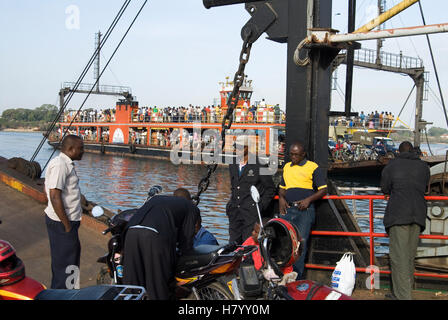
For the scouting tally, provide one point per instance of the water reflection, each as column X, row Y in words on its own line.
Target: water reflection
column 122, row 183
column 360, row 208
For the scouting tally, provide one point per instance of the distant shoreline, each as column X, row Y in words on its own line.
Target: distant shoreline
column 21, row 130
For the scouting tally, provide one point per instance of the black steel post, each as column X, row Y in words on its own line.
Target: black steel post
column 350, row 59
column 308, row 88
column 298, row 80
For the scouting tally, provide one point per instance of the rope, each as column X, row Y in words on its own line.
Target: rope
column 434, row 65
column 94, row 85
column 427, row 142
column 81, row 77
column 297, row 60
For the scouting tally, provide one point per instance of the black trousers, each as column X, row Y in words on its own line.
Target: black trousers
column 241, row 226
column 65, row 254
column 149, row 261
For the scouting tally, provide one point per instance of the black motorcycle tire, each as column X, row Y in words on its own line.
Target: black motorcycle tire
column 390, row 155
column 104, row 277
column 212, row 291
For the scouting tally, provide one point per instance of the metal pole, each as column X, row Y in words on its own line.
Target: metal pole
column 97, row 60
column 386, row 15
column 298, row 79
column 419, row 83
column 389, row 33
column 320, row 88
column 379, row 42
column 350, row 59
column 372, row 244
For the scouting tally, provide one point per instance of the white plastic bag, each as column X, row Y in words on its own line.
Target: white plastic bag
column 344, row 275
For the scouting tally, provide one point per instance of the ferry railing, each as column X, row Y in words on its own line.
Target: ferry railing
column 144, row 118
column 371, row 234
column 398, row 61
column 359, row 125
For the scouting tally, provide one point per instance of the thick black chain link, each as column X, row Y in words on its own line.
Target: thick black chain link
column 227, row 120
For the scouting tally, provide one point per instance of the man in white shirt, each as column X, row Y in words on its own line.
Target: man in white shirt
column 63, row 213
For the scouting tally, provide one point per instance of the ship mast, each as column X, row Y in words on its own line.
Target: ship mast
column 97, row 61
column 379, row 42
column 86, row 88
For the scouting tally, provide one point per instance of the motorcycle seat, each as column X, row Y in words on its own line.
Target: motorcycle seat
column 198, row 257
column 103, row 292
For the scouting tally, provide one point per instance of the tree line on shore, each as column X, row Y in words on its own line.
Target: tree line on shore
column 22, row 118
column 434, row 134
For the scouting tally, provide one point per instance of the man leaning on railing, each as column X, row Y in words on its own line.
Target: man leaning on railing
column 405, row 179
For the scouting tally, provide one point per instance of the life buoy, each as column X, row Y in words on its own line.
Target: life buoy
column 132, row 148
column 142, row 117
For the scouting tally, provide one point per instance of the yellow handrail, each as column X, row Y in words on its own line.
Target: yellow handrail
column 386, row 16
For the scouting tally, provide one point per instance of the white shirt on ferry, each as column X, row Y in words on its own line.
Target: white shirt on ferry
column 61, row 175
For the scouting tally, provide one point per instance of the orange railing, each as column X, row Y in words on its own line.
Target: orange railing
column 371, row 234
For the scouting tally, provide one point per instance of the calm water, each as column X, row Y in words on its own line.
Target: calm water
column 121, row 183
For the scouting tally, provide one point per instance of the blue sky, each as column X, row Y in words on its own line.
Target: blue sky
column 178, row 51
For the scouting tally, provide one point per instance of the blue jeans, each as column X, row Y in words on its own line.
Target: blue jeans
column 303, row 220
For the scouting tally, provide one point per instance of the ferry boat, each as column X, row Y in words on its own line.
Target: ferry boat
column 136, row 131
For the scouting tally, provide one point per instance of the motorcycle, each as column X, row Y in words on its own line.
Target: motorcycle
column 206, row 272
column 279, row 243
column 15, row 285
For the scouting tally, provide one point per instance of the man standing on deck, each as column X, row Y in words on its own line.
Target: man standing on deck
column 405, row 179
column 63, row 213
column 303, row 182
column 241, row 209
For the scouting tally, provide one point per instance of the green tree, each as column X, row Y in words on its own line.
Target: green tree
column 436, row 131
column 22, row 117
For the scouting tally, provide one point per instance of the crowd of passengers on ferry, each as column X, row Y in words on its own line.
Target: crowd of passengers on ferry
column 261, row 113
column 373, row 120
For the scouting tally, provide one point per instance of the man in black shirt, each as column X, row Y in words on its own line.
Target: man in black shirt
column 159, row 226
column 241, row 209
column 405, row 179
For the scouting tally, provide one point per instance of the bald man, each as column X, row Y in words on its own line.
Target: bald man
column 63, row 213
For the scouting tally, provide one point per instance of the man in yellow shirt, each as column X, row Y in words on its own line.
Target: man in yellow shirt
column 303, row 182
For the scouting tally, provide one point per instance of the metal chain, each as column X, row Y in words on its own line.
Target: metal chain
column 232, row 102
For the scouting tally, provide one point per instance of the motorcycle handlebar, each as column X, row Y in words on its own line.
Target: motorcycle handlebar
column 107, row 230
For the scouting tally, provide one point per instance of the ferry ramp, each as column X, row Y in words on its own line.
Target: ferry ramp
column 23, row 225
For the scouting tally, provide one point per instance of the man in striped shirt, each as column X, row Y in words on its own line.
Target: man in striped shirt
column 303, row 182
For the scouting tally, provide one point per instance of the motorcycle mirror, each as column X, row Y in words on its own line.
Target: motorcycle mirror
column 154, row 190
column 256, row 197
column 97, row 211
column 255, row 194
